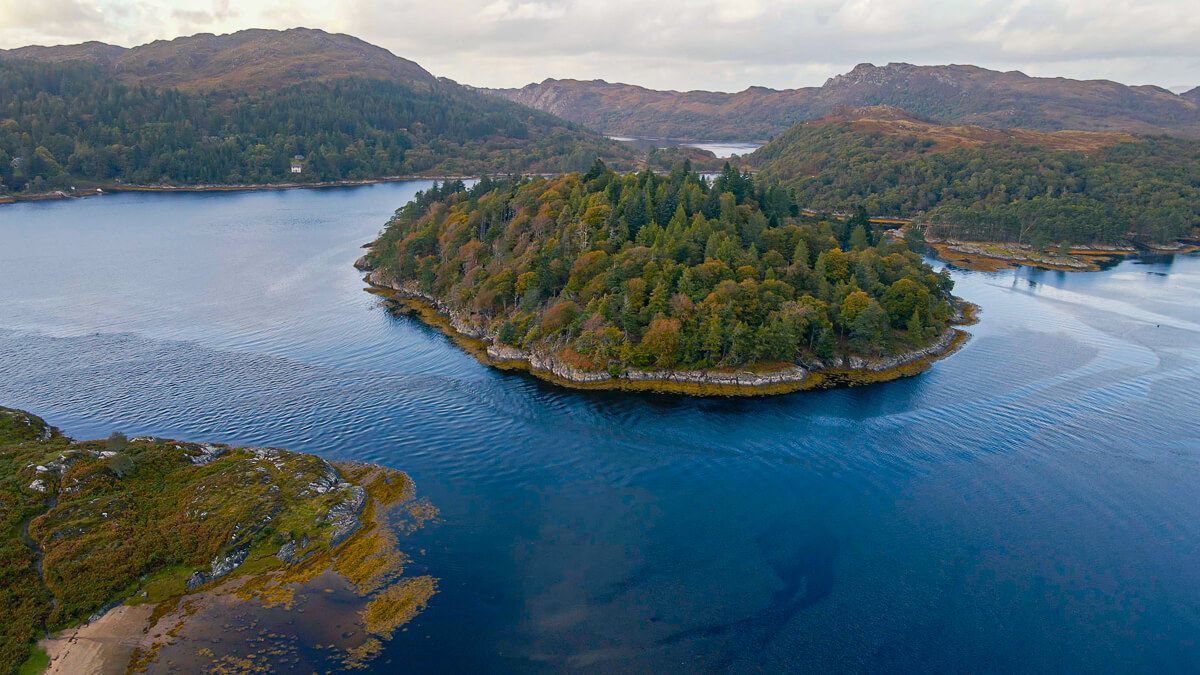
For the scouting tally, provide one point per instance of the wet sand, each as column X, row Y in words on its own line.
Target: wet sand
column 103, row 646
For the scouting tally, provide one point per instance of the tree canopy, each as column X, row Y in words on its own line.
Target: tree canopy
column 642, row 270
column 1147, row 188
column 73, row 124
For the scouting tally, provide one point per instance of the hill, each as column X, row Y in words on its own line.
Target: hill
column 1192, row 95
column 975, row 183
column 628, row 110
column 240, row 108
column 243, row 60
column 953, row 94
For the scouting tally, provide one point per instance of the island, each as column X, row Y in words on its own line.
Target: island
column 118, row 552
column 670, row 283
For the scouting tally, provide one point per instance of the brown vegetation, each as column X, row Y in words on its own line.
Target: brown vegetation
column 950, row 94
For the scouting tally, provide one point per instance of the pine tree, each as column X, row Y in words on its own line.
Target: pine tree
column 916, row 327
column 714, row 339
column 657, row 306
column 858, row 238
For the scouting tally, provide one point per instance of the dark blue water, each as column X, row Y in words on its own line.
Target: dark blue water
column 1032, row 502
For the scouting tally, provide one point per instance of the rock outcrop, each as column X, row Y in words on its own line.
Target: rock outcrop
column 547, row 363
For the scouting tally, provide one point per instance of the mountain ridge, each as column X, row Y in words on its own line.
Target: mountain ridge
column 252, row 58
column 948, row 94
column 261, row 107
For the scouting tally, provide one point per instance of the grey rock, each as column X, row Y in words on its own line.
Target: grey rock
column 287, row 553
column 344, row 516
column 208, row 454
column 222, row 565
column 547, row 362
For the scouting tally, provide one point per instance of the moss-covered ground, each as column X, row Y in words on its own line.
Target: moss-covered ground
column 87, row 525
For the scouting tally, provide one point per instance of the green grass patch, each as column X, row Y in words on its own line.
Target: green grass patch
column 36, row 664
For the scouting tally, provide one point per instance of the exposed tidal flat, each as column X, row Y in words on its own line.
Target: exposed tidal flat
column 1003, row 511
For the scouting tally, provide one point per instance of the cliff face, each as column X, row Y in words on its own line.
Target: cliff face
column 959, row 94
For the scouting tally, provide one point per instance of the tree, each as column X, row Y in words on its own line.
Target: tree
column 661, row 342
column 916, row 327
column 869, row 330
column 714, row 339
column 598, row 169
column 854, row 305
column 902, row 298
column 858, row 238
column 559, row 317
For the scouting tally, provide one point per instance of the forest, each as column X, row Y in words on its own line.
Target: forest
column 613, row 271
column 1144, row 189
column 72, row 124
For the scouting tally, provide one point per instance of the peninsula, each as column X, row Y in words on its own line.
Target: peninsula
column 117, row 551
column 664, row 283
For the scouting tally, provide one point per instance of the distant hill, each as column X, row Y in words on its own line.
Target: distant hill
column 246, row 108
column 250, row 58
column 628, row 110
column 971, row 182
column 956, row 94
column 1193, row 95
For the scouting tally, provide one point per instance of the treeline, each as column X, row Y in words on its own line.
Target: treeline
column 1146, row 189
column 641, row 270
column 71, row 123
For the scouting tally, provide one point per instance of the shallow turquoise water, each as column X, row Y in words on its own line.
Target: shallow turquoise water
column 1029, row 503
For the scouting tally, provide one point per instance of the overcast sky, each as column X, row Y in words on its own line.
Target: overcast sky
column 678, row 44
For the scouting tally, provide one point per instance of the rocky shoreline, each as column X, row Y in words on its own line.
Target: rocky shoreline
column 835, row 372
column 241, row 187
column 116, row 543
column 992, row 256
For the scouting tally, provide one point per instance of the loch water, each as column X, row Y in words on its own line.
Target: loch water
column 1032, row 502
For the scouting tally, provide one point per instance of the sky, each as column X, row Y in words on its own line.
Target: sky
column 723, row 45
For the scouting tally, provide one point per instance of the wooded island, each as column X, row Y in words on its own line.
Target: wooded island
column 605, row 279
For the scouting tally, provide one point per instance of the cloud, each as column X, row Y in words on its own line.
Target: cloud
column 218, row 13
column 503, row 10
column 22, row 22
column 715, row 44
